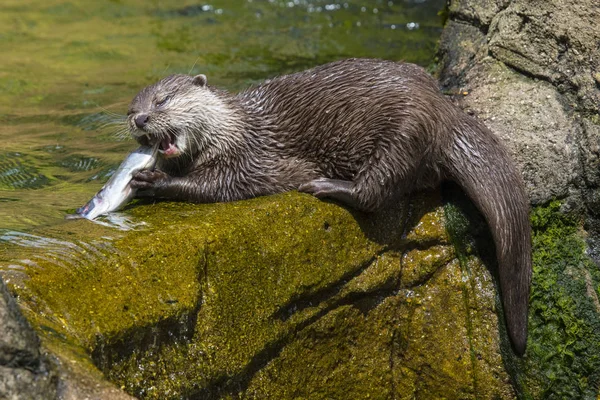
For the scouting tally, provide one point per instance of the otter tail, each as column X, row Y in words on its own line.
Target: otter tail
column 479, row 162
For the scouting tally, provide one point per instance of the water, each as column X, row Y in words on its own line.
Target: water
column 69, row 69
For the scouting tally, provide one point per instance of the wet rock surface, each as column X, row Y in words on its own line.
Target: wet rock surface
column 323, row 303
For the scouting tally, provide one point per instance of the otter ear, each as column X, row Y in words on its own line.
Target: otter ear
column 199, row 80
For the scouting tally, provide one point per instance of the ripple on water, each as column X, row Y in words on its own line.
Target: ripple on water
column 16, row 172
column 28, row 252
column 79, row 163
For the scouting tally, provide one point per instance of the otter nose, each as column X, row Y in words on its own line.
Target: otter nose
column 141, row 120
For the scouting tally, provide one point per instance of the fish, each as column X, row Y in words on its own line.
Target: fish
column 117, row 191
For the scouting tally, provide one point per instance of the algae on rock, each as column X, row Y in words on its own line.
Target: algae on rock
column 275, row 297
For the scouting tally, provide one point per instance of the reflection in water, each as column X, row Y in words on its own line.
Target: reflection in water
column 16, row 173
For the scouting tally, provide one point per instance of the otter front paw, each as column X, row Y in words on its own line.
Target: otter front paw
column 149, row 179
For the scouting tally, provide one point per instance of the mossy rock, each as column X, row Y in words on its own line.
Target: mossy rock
column 289, row 297
column 563, row 357
column 276, row 297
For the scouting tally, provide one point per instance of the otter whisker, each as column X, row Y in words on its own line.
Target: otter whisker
column 121, row 134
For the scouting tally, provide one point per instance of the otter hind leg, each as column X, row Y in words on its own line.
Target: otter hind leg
column 361, row 195
column 387, row 175
column 335, row 189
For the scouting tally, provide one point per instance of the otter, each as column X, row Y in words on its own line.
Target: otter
column 358, row 131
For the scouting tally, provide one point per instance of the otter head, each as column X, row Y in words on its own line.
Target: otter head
column 164, row 114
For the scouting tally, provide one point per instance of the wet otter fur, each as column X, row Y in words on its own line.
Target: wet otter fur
column 358, row 131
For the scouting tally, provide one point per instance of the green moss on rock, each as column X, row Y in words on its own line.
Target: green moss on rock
column 563, row 355
column 275, row 297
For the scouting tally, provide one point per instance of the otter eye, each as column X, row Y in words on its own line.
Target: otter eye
column 163, row 101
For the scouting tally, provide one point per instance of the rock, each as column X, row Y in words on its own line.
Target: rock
column 324, row 303
column 528, row 70
column 24, row 372
column 277, row 297
column 556, row 41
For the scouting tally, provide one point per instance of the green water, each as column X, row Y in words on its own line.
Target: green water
column 69, row 69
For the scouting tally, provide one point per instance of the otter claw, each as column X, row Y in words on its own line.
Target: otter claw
column 147, row 179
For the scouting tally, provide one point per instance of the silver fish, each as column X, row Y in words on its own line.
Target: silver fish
column 117, row 191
